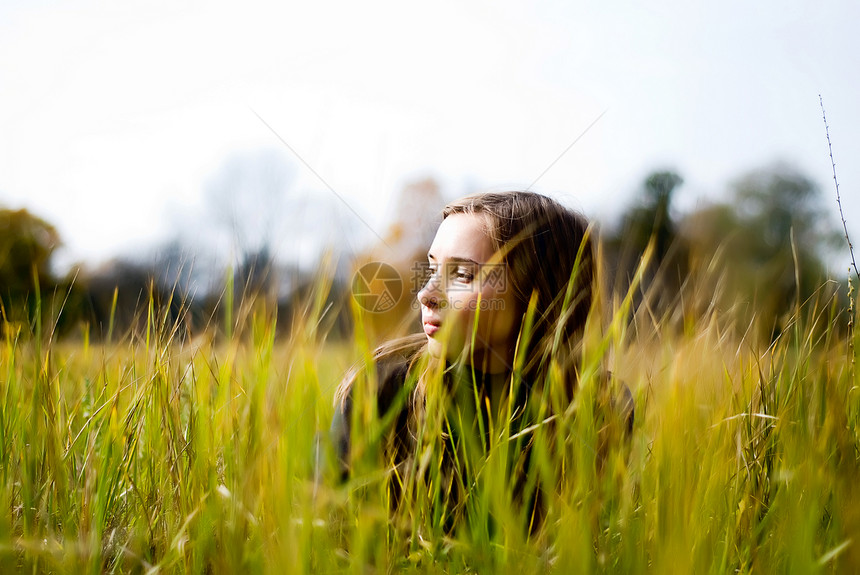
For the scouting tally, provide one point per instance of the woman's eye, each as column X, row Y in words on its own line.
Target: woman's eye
column 445, row 275
column 463, row 275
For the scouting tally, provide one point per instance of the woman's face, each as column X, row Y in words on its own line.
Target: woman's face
column 467, row 281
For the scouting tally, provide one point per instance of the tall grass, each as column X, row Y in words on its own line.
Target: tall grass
column 156, row 453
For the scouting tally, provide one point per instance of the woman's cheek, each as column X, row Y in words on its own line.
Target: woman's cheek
column 461, row 320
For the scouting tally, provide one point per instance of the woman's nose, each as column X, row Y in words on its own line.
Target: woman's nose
column 431, row 293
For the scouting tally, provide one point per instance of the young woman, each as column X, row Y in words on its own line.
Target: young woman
column 503, row 312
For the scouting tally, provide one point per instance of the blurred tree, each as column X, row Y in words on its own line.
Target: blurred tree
column 120, row 295
column 649, row 219
column 26, row 245
column 178, row 268
column 250, row 201
column 659, row 187
column 417, row 213
column 765, row 249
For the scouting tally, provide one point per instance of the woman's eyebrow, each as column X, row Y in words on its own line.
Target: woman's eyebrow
column 458, row 260
column 455, row 260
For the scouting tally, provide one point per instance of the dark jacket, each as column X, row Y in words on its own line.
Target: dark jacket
column 467, row 434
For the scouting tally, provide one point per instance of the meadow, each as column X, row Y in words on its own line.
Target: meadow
column 157, row 452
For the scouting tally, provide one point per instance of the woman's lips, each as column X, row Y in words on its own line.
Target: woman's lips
column 431, row 327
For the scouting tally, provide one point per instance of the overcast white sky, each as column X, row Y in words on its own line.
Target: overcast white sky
column 115, row 117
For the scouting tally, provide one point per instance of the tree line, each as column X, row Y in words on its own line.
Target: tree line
column 760, row 253
column 755, row 257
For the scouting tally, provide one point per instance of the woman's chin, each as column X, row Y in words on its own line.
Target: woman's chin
column 434, row 347
column 438, row 350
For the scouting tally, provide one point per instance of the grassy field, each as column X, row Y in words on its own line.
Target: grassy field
column 210, row 455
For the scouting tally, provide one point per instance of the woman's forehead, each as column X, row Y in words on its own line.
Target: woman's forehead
column 462, row 236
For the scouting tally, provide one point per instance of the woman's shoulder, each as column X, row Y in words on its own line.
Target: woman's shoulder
column 389, row 372
column 392, row 374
